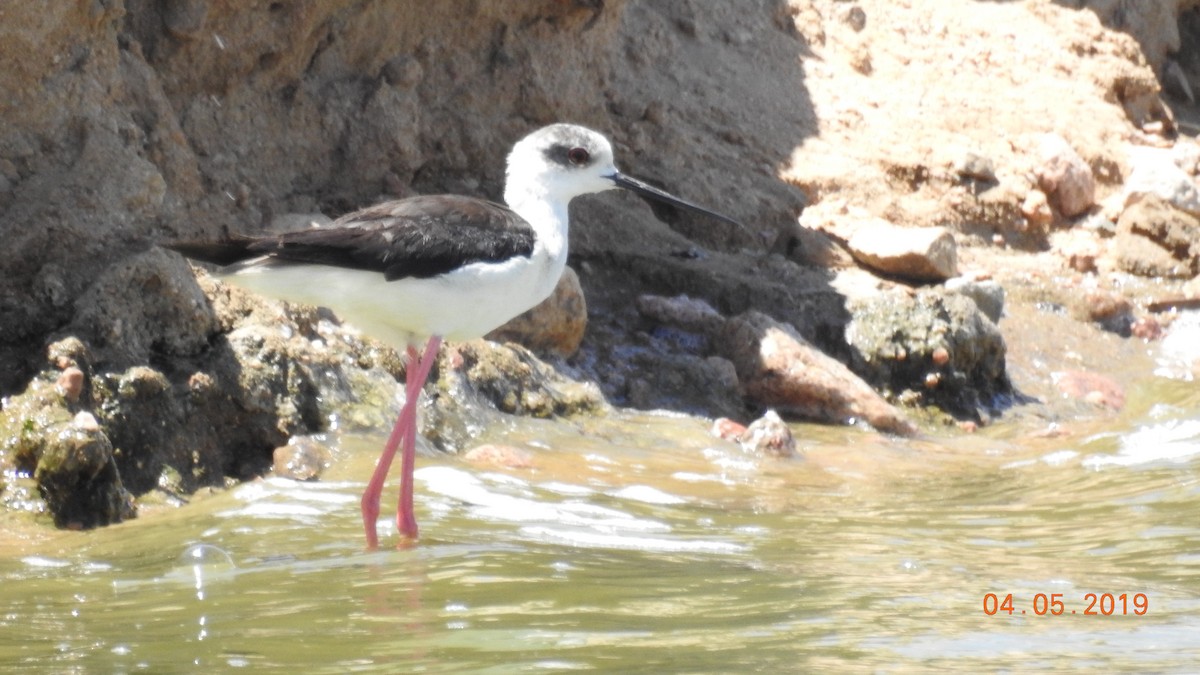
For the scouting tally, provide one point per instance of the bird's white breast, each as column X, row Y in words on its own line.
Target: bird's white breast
column 463, row 304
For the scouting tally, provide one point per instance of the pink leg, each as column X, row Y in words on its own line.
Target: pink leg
column 371, row 496
column 406, row 520
column 405, row 427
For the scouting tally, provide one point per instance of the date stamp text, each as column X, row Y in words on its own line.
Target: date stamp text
column 1053, row 604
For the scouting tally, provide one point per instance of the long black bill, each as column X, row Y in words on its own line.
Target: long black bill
column 650, row 192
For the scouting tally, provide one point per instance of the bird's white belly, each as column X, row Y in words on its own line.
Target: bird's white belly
column 464, row 304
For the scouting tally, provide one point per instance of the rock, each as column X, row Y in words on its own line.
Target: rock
column 1113, row 312
column 727, row 429
column 988, row 294
column 768, row 435
column 895, row 335
column 1140, row 256
column 690, row 383
column 690, row 314
column 68, row 352
column 137, row 406
column 147, row 303
column 780, row 369
column 975, row 166
column 920, row 254
column 505, row 456
column 1146, row 328
column 477, row 382
column 1155, row 27
column 1155, row 172
column 303, row 458
column 1186, row 155
column 70, row 383
column 1063, row 175
column 1093, row 388
column 1078, row 248
column 1189, row 299
column 184, row 19
column 812, row 247
column 516, row 382
column 855, row 17
column 1099, row 224
column 1036, row 208
column 403, row 71
column 1173, row 230
column 1179, row 351
column 78, row 477
column 673, row 367
column 556, row 326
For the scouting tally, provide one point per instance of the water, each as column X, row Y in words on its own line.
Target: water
column 640, row 544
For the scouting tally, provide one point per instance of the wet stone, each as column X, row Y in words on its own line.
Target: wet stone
column 768, row 436
column 506, row 456
column 77, row 476
column 1098, row 390
column 303, row 458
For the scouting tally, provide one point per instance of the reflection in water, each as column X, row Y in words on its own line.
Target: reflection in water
column 640, row 544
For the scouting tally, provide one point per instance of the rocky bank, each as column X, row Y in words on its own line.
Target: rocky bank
column 906, row 170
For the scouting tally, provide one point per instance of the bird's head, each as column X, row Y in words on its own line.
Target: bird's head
column 564, row 161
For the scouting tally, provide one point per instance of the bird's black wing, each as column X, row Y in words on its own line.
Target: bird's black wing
column 417, row 237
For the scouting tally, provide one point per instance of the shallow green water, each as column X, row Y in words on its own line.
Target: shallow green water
column 640, row 544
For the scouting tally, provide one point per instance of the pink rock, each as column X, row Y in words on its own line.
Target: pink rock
column 1094, row 388
column 727, row 429
column 1064, row 176
column 70, row 383
column 500, row 455
column 780, row 369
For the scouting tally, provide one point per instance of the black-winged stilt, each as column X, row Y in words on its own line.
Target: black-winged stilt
column 429, row 268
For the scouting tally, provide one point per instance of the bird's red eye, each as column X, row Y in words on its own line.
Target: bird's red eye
column 578, row 156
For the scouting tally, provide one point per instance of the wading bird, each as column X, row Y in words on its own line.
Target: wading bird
column 415, row 271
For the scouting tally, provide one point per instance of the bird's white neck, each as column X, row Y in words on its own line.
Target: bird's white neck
column 545, row 212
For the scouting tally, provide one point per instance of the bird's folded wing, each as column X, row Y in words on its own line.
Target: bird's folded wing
column 417, row 237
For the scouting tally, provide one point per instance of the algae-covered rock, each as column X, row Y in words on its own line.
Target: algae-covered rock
column 933, row 346
column 477, row 381
column 77, row 476
column 24, row 422
column 516, row 382
column 69, row 457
